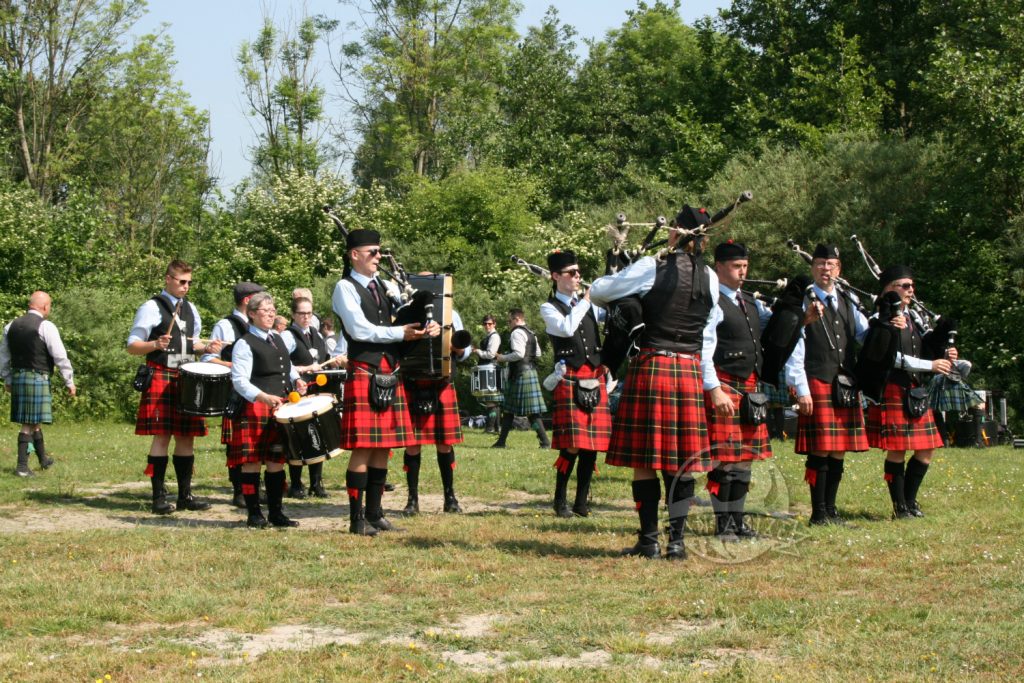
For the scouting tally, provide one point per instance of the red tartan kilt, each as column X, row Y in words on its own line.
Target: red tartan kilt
column 827, row 428
column 732, row 441
column 443, row 426
column 225, row 430
column 890, row 429
column 573, row 427
column 364, row 427
column 660, row 423
column 255, row 437
column 158, row 408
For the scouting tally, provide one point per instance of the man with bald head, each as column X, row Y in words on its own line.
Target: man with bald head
column 30, row 349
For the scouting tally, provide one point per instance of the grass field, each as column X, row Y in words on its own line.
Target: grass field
column 93, row 587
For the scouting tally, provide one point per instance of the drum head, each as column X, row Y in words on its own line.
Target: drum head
column 200, row 368
column 304, row 408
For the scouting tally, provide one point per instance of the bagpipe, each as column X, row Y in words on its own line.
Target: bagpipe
column 415, row 299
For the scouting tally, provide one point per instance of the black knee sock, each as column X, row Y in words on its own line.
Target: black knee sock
column 914, row 476
column 835, row 476
column 23, row 441
column 538, row 426
column 647, row 495
column 679, row 493
column 720, row 487
column 816, row 475
column 295, row 475
column 738, row 488
column 411, row 465
column 250, row 482
column 157, row 471
column 316, row 474
column 355, row 483
column 893, row 474
column 39, row 444
column 446, row 465
column 183, row 466
column 584, row 474
column 376, row 477
column 274, row 482
column 506, row 426
column 564, row 464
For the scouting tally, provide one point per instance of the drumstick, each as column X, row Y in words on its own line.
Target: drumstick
column 223, row 344
column 336, row 359
column 174, row 316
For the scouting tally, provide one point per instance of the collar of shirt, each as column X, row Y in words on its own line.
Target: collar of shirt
column 567, row 298
column 32, row 310
column 822, row 294
column 241, row 316
column 733, row 294
column 262, row 334
column 172, row 299
column 360, row 278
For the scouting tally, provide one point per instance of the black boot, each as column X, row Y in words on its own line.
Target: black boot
column 506, row 426
column 719, row 486
column 563, row 470
column 157, row 470
column 297, row 489
column 316, row 481
column 584, row 474
column 37, row 442
column 647, row 494
column 235, row 477
column 679, row 492
column 542, row 436
column 251, row 492
column 23, row 470
column 376, row 477
column 816, row 476
column 835, row 476
column 411, row 465
column 356, row 483
column 446, row 464
column 912, row 483
column 738, row 489
column 275, row 496
column 183, row 467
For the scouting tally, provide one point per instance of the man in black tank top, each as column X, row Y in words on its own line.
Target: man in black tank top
column 31, row 348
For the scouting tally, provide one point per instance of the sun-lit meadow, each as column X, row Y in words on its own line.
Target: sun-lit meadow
column 92, row 586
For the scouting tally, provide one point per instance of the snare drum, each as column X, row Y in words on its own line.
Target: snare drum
column 488, row 381
column 310, row 429
column 335, row 383
column 203, row 388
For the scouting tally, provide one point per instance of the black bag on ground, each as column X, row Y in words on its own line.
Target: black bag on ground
column 754, row 408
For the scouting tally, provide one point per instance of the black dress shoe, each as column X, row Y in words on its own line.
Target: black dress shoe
column 412, row 506
column 914, row 509
column 279, row 520
column 581, row 510
column 297, row 491
column 647, row 546
column 238, row 500
column 46, row 462
column 318, row 491
column 257, row 522
column 362, row 527
column 451, row 504
column 161, row 506
column 562, row 510
column 382, row 524
column 388, row 486
column 743, row 531
column 193, row 504
column 499, row 444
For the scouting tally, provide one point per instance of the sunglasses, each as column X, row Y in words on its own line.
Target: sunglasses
column 183, row 283
column 905, row 285
column 571, row 273
column 373, row 252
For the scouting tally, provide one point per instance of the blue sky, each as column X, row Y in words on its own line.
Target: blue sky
column 207, row 33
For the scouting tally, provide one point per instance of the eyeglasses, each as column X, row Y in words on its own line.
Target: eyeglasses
column 267, row 310
column 905, row 285
column 575, row 272
column 303, row 313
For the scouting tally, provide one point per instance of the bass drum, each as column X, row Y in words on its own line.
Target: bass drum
column 310, row 429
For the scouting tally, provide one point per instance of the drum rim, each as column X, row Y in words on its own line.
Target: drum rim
column 330, row 398
column 221, row 369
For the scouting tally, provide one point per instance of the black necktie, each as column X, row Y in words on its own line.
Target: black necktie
column 572, row 302
column 830, row 300
column 373, row 290
column 739, row 302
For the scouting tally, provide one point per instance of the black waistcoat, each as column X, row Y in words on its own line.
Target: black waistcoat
column 821, row 361
column 529, row 359
column 910, row 345
column 301, row 355
column 676, row 309
column 484, row 345
column 377, row 314
column 28, row 350
column 271, row 366
column 582, row 347
column 240, row 328
column 738, row 351
column 166, row 315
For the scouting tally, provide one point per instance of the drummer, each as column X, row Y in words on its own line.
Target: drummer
column 487, row 351
column 228, row 330
column 263, row 375
column 307, row 349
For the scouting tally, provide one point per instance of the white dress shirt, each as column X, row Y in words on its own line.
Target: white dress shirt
column 54, row 345
column 241, row 366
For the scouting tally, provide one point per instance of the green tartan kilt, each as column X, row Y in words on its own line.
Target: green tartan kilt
column 523, row 396
column 30, row 398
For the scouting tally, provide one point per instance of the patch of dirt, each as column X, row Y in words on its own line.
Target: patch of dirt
column 680, row 628
column 235, row 648
column 472, row 626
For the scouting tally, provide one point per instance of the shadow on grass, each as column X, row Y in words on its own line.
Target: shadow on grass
column 547, row 549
